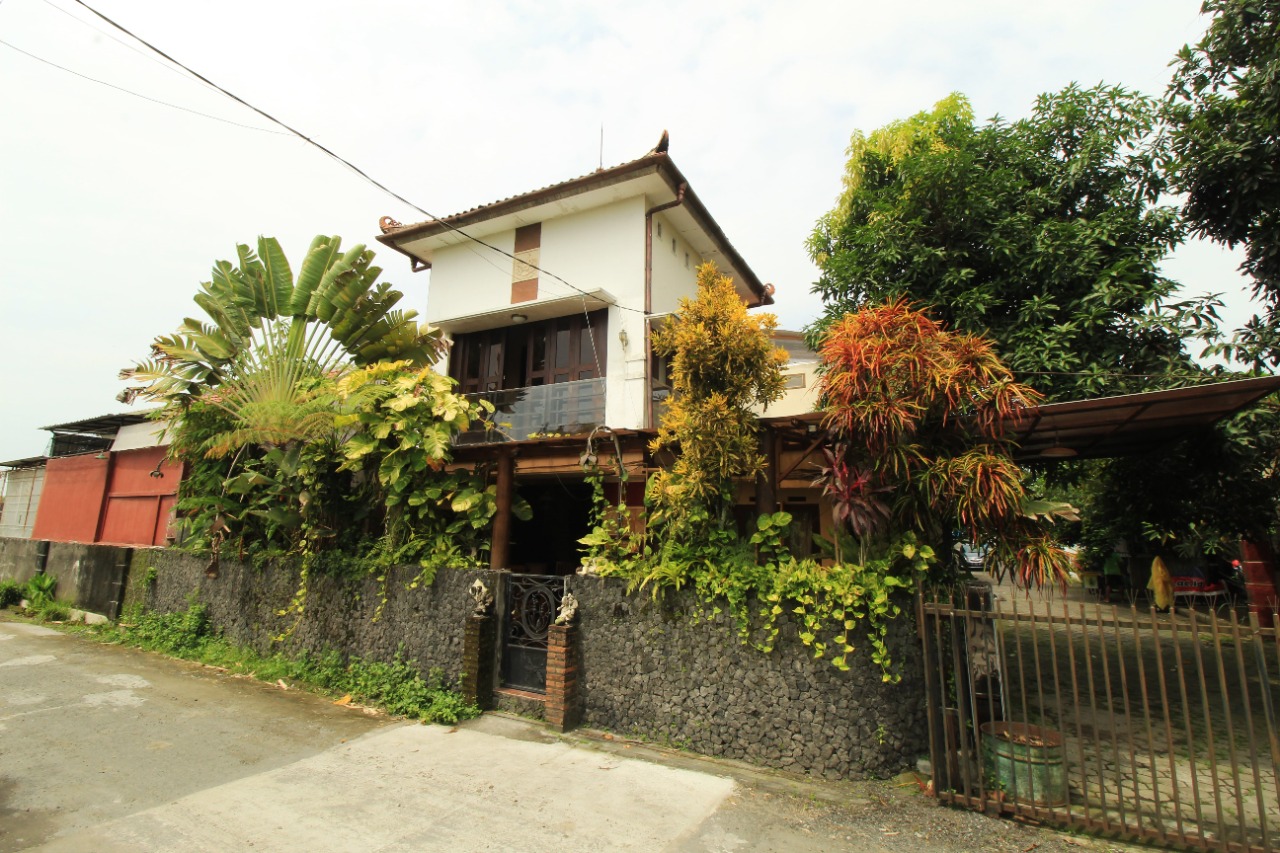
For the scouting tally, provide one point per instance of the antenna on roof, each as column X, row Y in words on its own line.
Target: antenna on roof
column 601, row 146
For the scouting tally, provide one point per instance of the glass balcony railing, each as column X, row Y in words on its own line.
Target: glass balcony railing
column 541, row 411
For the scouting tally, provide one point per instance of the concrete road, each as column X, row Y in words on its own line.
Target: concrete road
column 111, row 749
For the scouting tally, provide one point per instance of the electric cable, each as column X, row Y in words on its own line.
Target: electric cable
column 138, row 95
column 345, row 162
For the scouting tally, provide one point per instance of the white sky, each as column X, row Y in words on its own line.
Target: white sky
column 113, row 209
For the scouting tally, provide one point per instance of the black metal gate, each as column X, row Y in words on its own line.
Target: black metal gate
column 530, row 606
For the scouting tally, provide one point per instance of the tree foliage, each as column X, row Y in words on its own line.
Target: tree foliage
column 918, row 412
column 723, row 363
column 267, row 334
column 1224, row 111
column 1043, row 234
column 310, row 420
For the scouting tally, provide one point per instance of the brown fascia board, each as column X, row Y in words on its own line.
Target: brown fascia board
column 650, row 163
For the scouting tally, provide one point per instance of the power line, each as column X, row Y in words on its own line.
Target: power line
column 345, row 162
column 147, row 56
column 136, row 94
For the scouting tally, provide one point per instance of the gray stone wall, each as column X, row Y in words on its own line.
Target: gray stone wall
column 646, row 667
column 17, row 559
column 90, row 577
column 649, row 669
column 424, row 624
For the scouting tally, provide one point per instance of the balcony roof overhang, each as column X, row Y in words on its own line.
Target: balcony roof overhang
column 541, row 309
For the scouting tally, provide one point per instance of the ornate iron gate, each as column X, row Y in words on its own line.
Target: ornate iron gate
column 530, row 606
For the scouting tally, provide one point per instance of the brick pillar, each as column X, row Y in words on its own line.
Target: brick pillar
column 562, row 677
column 1259, row 580
column 477, row 660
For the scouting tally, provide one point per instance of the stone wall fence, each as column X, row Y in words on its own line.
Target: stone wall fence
column 659, row 669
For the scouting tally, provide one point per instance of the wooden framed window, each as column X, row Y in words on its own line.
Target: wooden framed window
column 563, row 349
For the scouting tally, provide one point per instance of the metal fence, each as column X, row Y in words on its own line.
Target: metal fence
column 1159, row 727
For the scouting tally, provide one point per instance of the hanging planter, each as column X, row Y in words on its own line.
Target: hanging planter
column 1027, row 763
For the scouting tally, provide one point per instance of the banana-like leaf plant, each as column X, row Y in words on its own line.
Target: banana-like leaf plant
column 271, row 340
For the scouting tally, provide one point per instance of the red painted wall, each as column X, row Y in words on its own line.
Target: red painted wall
column 113, row 500
column 73, row 490
column 137, row 505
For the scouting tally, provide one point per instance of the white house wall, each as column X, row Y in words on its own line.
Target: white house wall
column 469, row 279
column 673, row 278
column 603, row 249
column 21, row 488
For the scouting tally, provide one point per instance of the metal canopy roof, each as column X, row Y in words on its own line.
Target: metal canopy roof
column 1115, row 426
column 28, row 462
column 103, row 425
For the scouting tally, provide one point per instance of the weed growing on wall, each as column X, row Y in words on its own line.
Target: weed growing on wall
column 396, row 687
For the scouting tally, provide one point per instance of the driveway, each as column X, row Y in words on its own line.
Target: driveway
column 110, row 749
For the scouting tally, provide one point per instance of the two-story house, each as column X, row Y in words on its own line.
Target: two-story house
column 550, row 299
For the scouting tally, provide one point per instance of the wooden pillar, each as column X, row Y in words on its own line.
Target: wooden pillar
column 767, row 481
column 500, row 546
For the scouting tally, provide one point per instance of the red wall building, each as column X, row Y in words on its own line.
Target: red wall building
column 123, row 498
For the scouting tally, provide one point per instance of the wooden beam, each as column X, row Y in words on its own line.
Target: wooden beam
column 767, row 480
column 500, row 547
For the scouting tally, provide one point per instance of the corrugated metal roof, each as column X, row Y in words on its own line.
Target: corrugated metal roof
column 102, row 425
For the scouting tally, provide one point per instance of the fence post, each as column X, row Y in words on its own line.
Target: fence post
column 477, row 659
column 562, row 677
column 934, row 704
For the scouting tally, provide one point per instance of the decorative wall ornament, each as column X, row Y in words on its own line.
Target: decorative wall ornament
column 568, row 609
column 482, row 597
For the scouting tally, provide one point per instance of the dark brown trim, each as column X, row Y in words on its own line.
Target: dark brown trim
column 501, row 544
column 524, row 291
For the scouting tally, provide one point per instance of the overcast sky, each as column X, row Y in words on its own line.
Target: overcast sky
column 113, row 208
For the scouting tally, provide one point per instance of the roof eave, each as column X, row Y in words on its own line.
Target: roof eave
column 659, row 163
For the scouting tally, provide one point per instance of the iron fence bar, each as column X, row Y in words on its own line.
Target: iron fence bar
column 1186, row 719
column 1230, row 718
column 1111, row 710
column 1264, row 670
column 966, row 631
column 1168, row 720
column 1093, row 709
column 1210, row 744
column 932, row 710
column 952, row 779
column 1157, row 818
column 1040, row 687
column 1022, row 674
column 1060, row 722
column 1075, row 706
column 1242, row 674
column 1128, row 716
column 966, row 771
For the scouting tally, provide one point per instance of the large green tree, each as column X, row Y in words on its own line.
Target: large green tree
column 1224, row 111
column 1044, row 234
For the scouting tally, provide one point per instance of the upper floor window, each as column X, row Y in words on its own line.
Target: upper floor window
column 563, row 349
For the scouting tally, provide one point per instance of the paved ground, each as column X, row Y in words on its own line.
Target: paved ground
column 110, row 749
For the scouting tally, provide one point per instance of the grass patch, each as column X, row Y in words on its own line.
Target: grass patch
column 397, row 687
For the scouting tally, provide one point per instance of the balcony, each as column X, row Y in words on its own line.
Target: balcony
column 565, row 408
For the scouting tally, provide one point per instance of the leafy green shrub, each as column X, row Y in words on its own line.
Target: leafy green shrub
column 182, row 634
column 51, row 610
column 10, row 593
column 40, row 589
